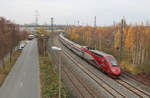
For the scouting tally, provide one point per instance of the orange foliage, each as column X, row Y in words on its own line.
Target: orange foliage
column 129, row 41
column 9, row 37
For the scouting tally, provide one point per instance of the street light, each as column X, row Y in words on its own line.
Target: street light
column 58, row 49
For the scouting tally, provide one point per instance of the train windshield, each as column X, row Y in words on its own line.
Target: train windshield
column 112, row 60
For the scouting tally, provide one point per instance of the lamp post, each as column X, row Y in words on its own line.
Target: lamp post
column 59, row 50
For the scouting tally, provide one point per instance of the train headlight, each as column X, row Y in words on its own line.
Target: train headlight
column 114, row 70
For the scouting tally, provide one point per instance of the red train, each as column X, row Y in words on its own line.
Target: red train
column 107, row 63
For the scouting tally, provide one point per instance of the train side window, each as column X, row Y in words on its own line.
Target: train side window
column 98, row 55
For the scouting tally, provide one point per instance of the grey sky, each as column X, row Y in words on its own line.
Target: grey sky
column 70, row 11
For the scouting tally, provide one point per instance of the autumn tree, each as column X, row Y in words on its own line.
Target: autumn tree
column 9, row 38
column 135, row 41
column 117, row 40
column 129, row 41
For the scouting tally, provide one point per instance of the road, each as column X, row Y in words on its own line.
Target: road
column 23, row 80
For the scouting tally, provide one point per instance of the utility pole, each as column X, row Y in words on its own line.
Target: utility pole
column 121, row 39
column 52, row 25
column 60, row 52
column 95, row 24
column 60, row 75
column 78, row 23
column 70, row 30
column 51, row 34
column 94, row 33
column 36, row 17
column 67, row 27
column 113, row 34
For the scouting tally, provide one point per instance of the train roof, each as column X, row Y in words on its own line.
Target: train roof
column 100, row 53
column 70, row 41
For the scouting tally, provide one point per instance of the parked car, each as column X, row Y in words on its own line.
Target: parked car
column 22, row 45
column 30, row 37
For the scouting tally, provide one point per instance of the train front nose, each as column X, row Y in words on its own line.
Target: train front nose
column 116, row 71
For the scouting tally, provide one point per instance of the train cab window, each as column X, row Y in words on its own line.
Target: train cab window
column 112, row 60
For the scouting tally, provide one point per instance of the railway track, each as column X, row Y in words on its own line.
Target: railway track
column 108, row 88
column 96, row 81
column 135, row 79
column 68, row 77
column 74, row 84
column 140, row 93
column 129, row 79
column 82, row 83
column 133, row 89
column 65, row 69
column 77, row 88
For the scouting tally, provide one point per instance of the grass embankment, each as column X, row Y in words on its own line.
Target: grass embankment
column 135, row 69
column 49, row 77
column 5, row 70
column 50, row 80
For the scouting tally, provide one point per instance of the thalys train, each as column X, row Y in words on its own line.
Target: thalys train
column 106, row 62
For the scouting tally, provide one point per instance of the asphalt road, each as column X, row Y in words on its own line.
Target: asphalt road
column 23, row 80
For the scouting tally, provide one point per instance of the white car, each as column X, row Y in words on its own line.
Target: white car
column 22, row 45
